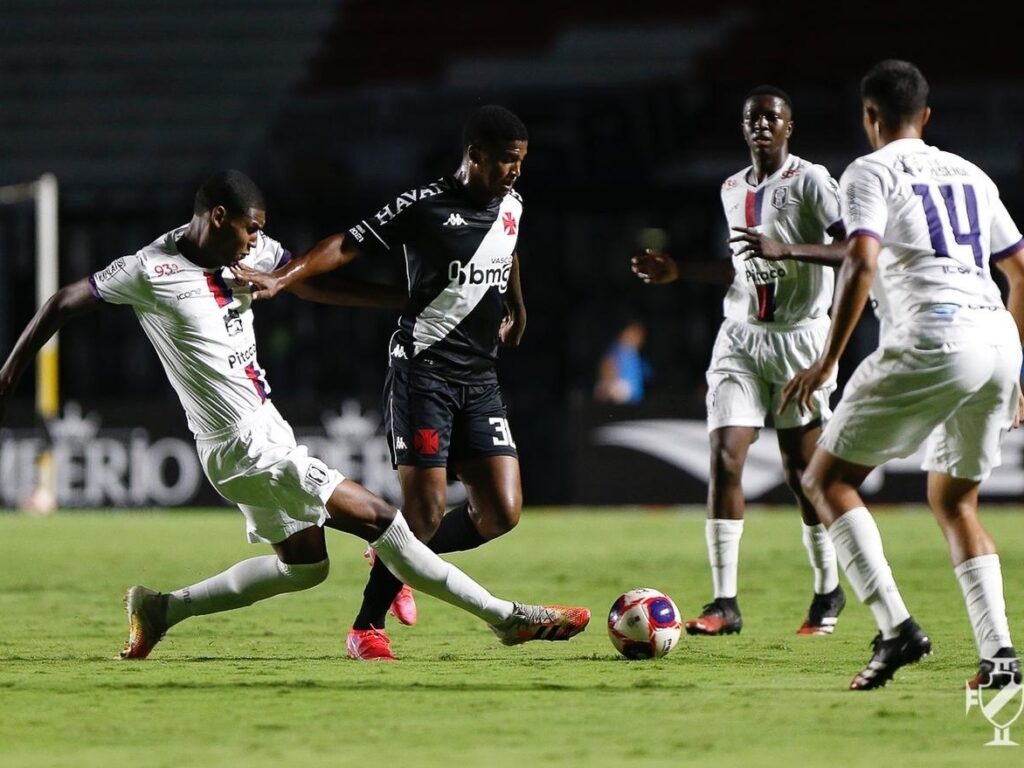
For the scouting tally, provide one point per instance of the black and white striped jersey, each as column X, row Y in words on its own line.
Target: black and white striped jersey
column 458, row 259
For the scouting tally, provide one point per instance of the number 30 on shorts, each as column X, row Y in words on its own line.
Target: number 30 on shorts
column 503, row 436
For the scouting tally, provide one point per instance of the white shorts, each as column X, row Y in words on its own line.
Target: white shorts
column 751, row 364
column 958, row 395
column 279, row 487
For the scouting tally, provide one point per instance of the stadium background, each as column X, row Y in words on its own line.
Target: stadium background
column 335, row 107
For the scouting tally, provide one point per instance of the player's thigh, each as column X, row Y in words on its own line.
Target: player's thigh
column 481, row 427
column 967, row 444
column 738, row 395
column 424, row 497
column 305, row 546
column 894, row 400
column 279, row 487
column 418, row 415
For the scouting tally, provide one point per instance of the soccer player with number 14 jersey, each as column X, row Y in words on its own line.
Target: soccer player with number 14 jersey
column 925, row 226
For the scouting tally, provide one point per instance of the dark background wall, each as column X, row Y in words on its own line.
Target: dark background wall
column 334, row 108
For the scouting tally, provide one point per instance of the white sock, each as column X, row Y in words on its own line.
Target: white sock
column 723, row 538
column 859, row 550
column 410, row 560
column 822, row 557
column 981, row 581
column 243, row 584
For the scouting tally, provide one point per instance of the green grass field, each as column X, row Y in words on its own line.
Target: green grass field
column 270, row 686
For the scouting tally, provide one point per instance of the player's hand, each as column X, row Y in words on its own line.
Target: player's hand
column 757, row 245
column 1018, row 417
column 513, row 326
column 654, row 267
column 801, row 388
column 265, row 285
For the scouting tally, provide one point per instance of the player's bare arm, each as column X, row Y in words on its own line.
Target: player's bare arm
column 1013, row 267
column 657, row 268
column 334, row 288
column 326, row 256
column 852, row 289
column 513, row 324
column 756, row 244
column 69, row 301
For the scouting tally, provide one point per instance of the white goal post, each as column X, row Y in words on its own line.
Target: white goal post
column 44, row 193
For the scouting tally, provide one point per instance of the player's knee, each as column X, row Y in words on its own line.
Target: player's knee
column 811, row 483
column 505, row 518
column 726, row 468
column 305, row 575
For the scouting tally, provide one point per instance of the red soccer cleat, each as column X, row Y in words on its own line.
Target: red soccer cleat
column 369, row 645
column 719, row 617
column 403, row 607
column 541, row 622
column 823, row 615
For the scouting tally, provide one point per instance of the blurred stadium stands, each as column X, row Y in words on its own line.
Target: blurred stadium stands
column 336, row 107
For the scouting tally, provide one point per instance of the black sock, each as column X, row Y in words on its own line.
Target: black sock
column 456, row 533
column 380, row 592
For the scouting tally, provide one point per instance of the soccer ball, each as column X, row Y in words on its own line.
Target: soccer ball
column 644, row 624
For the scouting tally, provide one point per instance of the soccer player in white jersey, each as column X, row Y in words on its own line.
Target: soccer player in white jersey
column 198, row 318
column 776, row 320
column 924, row 227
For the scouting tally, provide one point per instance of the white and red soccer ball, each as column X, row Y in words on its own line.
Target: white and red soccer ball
column 644, row 624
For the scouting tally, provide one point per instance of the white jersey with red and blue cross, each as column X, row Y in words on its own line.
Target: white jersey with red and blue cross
column 200, row 323
column 941, row 225
column 799, row 203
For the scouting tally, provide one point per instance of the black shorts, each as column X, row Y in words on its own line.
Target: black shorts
column 431, row 421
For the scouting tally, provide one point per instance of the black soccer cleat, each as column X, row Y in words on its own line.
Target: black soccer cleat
column 824, row 612
column 910, row 645
column 998, row 671
column 719, row 617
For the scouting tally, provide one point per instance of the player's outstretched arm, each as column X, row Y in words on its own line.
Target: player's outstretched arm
column 1013, row 267
column 69, row 301
column 326, row 256
column 852, row 288
column 513, row 324
column 335, row 288
column 654, row 267
column 757, row 244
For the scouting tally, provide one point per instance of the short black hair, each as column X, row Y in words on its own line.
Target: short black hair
column 898, row 89
column 770, row 90
column 492, row 126
column 232, row 189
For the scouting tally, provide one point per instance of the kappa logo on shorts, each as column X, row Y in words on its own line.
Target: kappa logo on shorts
column 400, row 444
column 427, row 442
column 316, row 474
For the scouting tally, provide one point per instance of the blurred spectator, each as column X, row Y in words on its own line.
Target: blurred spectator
column 623, row 371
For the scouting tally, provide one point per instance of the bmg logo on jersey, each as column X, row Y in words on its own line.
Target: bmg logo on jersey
column 497, row 273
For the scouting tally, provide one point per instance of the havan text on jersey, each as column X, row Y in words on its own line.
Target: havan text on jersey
column 459, row 257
